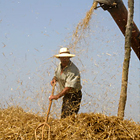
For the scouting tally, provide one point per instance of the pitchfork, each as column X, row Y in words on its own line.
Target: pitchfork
column 46, row 120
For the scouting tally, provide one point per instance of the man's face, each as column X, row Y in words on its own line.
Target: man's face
column 64, row 60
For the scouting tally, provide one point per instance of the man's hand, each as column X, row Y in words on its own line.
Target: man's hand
column 53, row 81
column 51, row 97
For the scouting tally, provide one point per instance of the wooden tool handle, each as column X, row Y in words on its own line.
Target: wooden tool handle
column 53, row 88
column 50, row 103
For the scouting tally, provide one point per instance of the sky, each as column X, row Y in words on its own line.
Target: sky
column 32, row 31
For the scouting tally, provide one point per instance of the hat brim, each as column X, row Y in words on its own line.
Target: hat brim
column 64, row 55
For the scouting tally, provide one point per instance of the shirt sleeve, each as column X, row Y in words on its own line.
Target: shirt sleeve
column 72, row 80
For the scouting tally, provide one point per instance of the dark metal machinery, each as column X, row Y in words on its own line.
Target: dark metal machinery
column 119, row 13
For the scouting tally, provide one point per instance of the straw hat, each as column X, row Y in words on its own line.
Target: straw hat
column 64, row 52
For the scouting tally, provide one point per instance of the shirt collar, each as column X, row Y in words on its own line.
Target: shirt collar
column 65, row 66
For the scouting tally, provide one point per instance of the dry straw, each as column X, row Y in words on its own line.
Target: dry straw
column 79, row 33
column 15, row 124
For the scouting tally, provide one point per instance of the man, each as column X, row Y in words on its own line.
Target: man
column 68, row 77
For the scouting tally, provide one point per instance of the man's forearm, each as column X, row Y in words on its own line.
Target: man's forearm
column 63, row 92
column 54, row 78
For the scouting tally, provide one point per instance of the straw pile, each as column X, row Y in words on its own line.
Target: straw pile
column 16, row 124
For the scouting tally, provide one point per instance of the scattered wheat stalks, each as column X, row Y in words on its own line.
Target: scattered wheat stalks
column 79, row 33
column 46, row 120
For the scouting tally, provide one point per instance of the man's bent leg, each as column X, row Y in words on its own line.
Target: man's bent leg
column 71, row 104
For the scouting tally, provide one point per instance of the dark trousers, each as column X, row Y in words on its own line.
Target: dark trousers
column 71, row 104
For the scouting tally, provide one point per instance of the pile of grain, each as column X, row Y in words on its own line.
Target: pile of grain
column 18, row 124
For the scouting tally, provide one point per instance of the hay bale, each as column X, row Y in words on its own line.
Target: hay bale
column 18, row 124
